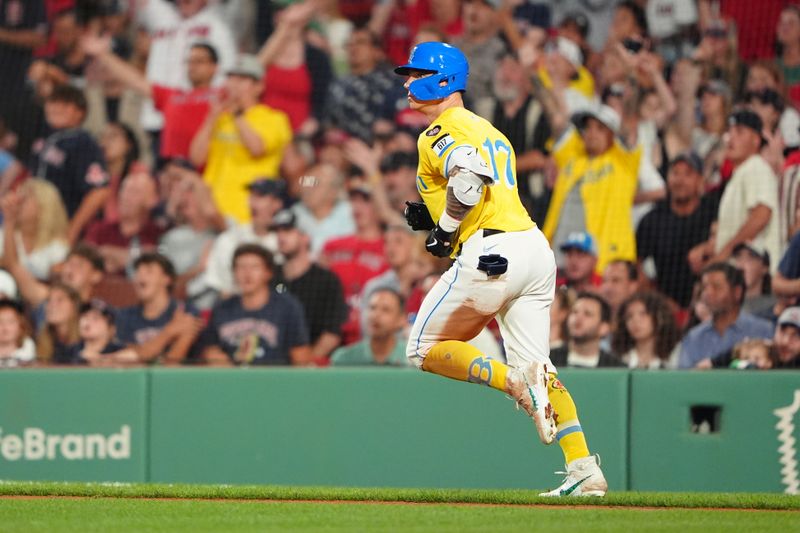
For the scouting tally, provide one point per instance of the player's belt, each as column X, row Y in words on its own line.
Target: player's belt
column 488, row 232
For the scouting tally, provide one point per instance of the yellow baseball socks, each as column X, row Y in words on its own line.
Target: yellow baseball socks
column 461, row 361
column 569, row 432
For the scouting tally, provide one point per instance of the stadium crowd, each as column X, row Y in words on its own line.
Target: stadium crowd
column 222, row 182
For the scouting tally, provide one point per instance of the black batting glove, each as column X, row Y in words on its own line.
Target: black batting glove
column 418, row 216
column 439, row 242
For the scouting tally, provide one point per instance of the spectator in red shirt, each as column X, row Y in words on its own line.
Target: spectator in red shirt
column 358, row 258
column 184, row 110
column 121, row 242
column 297, row 73
column 397, row 23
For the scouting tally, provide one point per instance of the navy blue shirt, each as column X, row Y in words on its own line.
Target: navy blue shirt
column 71, row 160
column 134, row 328
column 73, row 356
column 18, row 15
column 262, row 336
column 789, row 266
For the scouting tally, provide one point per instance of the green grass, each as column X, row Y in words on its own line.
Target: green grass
column 137, row 515
column 261, row 492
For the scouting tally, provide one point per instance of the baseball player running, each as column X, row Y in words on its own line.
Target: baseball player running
column 503, row 265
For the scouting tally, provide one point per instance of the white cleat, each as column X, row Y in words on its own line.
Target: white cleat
column 530, row 392
column 584, row 478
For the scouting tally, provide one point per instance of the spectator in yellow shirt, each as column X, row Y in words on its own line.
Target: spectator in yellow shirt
column 240, row 140
column 596, row 183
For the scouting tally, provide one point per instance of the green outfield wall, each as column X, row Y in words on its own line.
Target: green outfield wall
column 74, row 425
column 750, row 434
column 392, row 428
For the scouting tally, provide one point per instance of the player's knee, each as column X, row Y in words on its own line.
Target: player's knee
column 416, row 354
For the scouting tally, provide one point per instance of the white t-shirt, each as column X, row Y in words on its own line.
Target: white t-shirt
column 172, row 36
column 789, row 126
column 41, row 260
column 666, row 17
column 23, row 355
column 219, row 272
column 753, row 182
column 338, row 223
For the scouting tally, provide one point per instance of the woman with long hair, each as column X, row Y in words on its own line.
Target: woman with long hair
column 35, row 220
column 121, row 152
column 646, row 334
column 60, row 328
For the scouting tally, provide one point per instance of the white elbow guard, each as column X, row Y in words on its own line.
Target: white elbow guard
column 468, row 173
column 467, row 186
column 467, row 157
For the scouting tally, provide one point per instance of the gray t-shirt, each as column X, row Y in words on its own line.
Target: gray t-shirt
column 573, row 219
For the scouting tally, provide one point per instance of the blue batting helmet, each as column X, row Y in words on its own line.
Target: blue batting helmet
column 447, row 64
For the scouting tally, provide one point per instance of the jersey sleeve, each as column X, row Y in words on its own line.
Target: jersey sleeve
column 161, row 95
column 763, row 189
column 569, row 146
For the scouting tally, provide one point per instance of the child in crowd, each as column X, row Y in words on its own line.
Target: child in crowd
column 758, row 354
column 97, row 333
column 16, row 347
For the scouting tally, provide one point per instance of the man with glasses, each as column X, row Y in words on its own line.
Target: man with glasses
column 184, row 110
column 174, row 27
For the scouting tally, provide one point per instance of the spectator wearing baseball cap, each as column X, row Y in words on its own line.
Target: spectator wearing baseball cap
column 769, row 105
column 576, row 27
column 317, row 288
column 595, row 187
column 579, row 272
column 748, row 209
column 675, row 227
column 357, row 258
column 671, row 27
column 753, row 260
column 265, row 198
column 564, row 68
column 241, row 139
column 701, row 132
column 787, row 338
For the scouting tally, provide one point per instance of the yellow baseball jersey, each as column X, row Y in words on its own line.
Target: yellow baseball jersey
column 230, row 167
column 607, row 187
column 500, row 207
